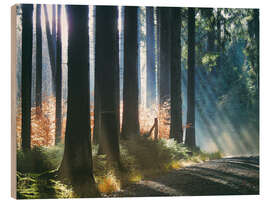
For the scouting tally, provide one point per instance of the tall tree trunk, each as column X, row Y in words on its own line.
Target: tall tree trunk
column 77, row 160
column 176, row 131
column 130, row 125
column 58, row 93
column 38, row 60
column 165, row 54
column 158, row 57
column 164, row 74
column 190, row 132
column 219, row 48
column 158, row 48
column 150, row 45
column 51, row 47
column 107, row 47
column 139, row 55
column 27, row 37
column 210, row 21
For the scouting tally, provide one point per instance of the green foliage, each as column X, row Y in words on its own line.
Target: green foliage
column 151, row 156
column 35, row 186
column 140, row 158
column 39, row 159
column 210, row 60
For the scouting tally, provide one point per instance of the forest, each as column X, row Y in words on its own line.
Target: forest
column 117, row 101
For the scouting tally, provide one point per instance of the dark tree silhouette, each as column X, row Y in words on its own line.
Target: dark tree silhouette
column 58, row 93
column 190, row 132
column 107, row 48
column 176, row 131
column 219, row 46
column 165, row 54
column 140, row 38
column 158, row 54
column 38, row 60
column 150, row 46
column 77, row 160
column 54, row 30
column 210, row 20
column 27, row 37
column 130, row 125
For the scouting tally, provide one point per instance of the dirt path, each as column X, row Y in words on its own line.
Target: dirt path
column 227, row 176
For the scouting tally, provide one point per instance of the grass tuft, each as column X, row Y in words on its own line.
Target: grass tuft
column 140, row 158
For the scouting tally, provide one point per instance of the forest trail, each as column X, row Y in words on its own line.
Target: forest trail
column 226, row 176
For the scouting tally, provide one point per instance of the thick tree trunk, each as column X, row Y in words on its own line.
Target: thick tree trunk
column 176, row 131
column 219, row 48
column 158, row 56
column 139, row 30
column 158, row 48
column 38, row 60
column 165, row 54
column 190, row 132
column 157, row 13
column 150, row 45
column 27, row 37
column 77, row 160
column 130, row 125
column 117, row 70
column 51, row 47
column 58, row 93
column 107, row 48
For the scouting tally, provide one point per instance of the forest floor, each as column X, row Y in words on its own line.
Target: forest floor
column 226, row 176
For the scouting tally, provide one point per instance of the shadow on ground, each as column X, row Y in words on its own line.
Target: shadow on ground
column 227, row 176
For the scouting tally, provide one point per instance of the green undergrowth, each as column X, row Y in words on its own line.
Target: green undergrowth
column 140, row 158
column 33, row 186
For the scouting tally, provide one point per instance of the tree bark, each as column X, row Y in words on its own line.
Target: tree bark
column 77, row 160
column 58, row 93
column 176, row 131
column 190, row 132
column 107, row 48
column 158, row 60
column 38, row 60
column 165, row 54
column 211, row 32
column 27, row 37
column 150, row 44
column 130, row 125
column 219, row 46
column 139, row 30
